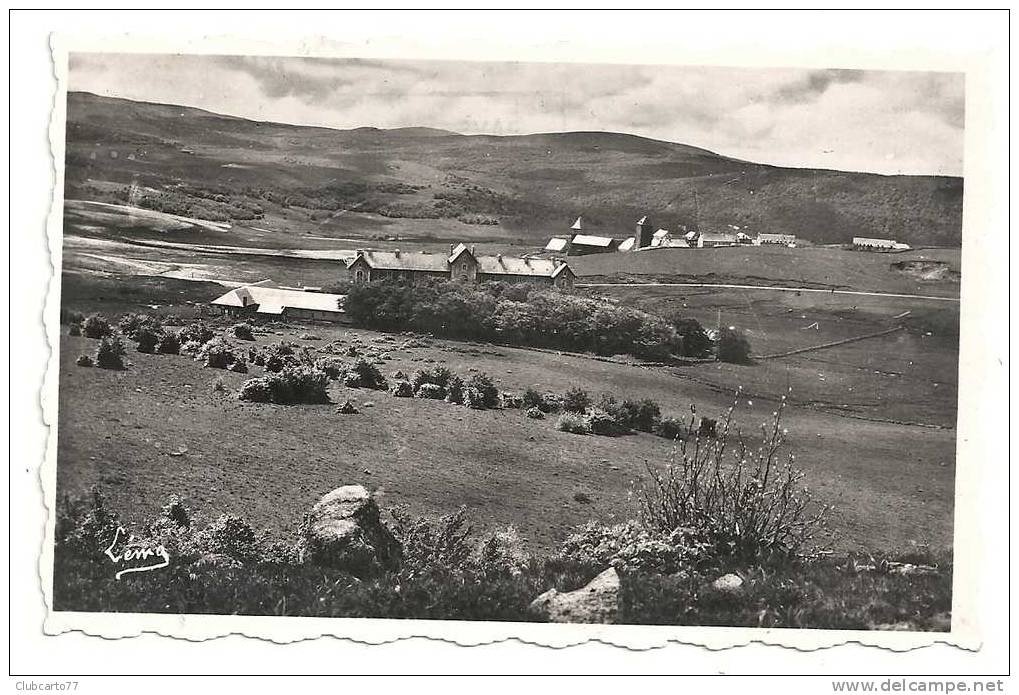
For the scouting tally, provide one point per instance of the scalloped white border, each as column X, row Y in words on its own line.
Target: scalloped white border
column 965, row 630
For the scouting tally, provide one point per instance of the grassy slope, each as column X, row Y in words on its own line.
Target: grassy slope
column 536, row 183
column 892, row 485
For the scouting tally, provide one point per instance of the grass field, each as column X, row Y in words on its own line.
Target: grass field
column 161, row 428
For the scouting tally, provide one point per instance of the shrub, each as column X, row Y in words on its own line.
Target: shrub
column 84, row 361
column 741, row 497
column 71, row 317
column 217, row 353
column 535, row 413
column 438, row 376
column 602, row 422
column 576, row 400
column 671, row 428
column 403, row 389
column 190, row 348
column 694, row 339
column 239, row 366
column 455, row 390
column 242, row 331
column 433, row 391
column 573, row 422
column 276, row 356
column 642, row 415
column 332, row 366
column 481, row 392
column 364, row 374
column 255, row 390
column 147, row 338
column 96, row 326
column 532, row 399
column 131, row 324
column 169, row 344
column 197, row 332
column 110, row 353
column 632, row 547
column 74, row 330
column 299, row 384
column 733, row 346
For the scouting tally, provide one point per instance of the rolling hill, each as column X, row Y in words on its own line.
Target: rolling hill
column 193, row 162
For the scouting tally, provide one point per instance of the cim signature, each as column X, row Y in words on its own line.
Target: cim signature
column 136, row 553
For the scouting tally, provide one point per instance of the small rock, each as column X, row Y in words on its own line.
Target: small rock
column 368, row 404
column 598, row 602
column 728, row 582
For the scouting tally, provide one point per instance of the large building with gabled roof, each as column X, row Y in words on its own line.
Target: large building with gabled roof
column 462, row 264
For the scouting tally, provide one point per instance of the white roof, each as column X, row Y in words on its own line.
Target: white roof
column 272, row 300
column 589, row 240
column 557, row 244
column 627, row 244
column 661, row 232
column 872, row 242
column 642, row 220
column 577, row 225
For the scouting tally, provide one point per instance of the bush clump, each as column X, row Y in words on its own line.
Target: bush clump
column 130, row 325
column 402, row 389
column 334, row 367
column 439, row 376
column 456, row 390
column 217, row 353
column 147, row 338
column 365, row 375
column 243, row 331
column 432, row 391
column 74, row 329
column 299, row 384
column 110, row 353
column 169, row 344
column 96, row 326
column 603, row 423
column 84, row 361
column 576, row 400
column 239, row 366
column 632, row 547
column 480, row 392
column 574, row 423
column 733, row 346
column 197, row 332
column 535, row 413
column 672, row 428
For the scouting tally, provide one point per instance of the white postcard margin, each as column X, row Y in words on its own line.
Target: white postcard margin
column 973, row 447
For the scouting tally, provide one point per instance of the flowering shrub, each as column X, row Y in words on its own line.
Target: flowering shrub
column 602, row 422
column 535, row 414
column 632, row 547
column 332, row 366
column 298, row 384
column 741, row 496
column 574, row 423
column 242, row 331
column 217, row 353
column 455, row 390
column 433, row 391
column 440, row 376
column 169, row 344
column 671, row 428
column 198, row 332
column 84, row 361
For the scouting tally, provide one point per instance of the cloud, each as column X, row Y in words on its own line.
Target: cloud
column 889, row 122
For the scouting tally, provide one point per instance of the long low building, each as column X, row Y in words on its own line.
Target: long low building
column 462, row 264
column 266, row 300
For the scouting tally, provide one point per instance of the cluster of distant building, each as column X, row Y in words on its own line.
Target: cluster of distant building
column 647, row 237
column 867, row 244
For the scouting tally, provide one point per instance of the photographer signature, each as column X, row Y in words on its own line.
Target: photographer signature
column 136, row 553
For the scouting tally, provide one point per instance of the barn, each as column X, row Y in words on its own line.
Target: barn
column 266, row 300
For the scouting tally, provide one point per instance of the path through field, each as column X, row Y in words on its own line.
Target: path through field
column 767, row 287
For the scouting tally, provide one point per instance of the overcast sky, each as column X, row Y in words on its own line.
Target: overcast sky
column 887, row 122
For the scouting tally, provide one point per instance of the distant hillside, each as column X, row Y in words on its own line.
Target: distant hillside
column 188, row 161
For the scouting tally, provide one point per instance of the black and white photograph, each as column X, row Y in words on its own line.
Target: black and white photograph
column 482, row 349
column 509, row 341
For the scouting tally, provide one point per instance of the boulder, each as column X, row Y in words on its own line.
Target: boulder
column 345, row 531
column 728, row 582
column 598, row 602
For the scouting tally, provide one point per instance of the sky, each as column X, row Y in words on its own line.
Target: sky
column 879, row 121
